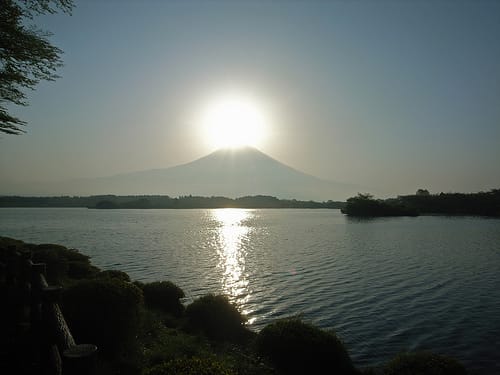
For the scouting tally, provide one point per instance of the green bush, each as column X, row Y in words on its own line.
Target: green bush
column 104, row 312
column 80, row 270
column 114, row 274
column 217, row 318
column 165, row 296
column 191, row 366
column 296, row 347
column 423, row 363
column 62, row 262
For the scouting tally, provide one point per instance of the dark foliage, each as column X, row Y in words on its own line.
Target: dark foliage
column 295, row 347
column 165, row 296
column 106, row 205
column 190, row 366
column 114, row 274
column 482, row 203
column 217, row 318
column 364, row 205
column 26, row 55
column 105, row 312
column 8, row 246
column 423, row 363
column 61, row 263
column 163, row 201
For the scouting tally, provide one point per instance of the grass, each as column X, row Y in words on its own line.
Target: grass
column 423, row 363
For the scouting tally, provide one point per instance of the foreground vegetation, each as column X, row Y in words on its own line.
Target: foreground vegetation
column 143, row 328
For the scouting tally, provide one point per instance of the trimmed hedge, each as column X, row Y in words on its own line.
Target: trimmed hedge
column 114, row 274
column 217, row 318
column 105, row 312
column 164, row 295
column 295, row 347
column 62, row 262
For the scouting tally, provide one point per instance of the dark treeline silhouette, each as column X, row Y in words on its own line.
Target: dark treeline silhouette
column 482, row 203
column 163, row 201
column 422, row 202
column 365, row 205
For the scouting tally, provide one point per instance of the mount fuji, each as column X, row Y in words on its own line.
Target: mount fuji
column 225, row 172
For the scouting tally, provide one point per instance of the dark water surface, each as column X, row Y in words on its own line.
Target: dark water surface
column 385, row 285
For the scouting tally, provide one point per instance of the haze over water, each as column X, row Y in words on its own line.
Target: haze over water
column 385, row 285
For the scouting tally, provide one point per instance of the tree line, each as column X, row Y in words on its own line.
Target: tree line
column 481, row 203
column 163, row 201
column 422, row 203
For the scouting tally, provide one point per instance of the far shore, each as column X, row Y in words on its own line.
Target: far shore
column 164, row 202
column 363, row 205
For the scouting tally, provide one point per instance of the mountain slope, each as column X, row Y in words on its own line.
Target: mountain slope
column 225, row 172
column 231, row 173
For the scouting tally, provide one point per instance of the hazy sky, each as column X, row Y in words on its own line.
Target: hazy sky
column 392, row 95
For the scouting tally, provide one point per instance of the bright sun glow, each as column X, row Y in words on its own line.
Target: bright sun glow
column 233, row 121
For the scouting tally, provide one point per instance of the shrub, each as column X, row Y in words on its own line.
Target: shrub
column 62, row 262
column 80, row 270
column 138, row 284
column 114, row 274
column 423, row 363
column 165, row 296
column 105, row 312
column 191, row 366
column 217, row 318
column 296, row 347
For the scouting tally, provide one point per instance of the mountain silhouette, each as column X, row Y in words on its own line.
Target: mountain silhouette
column 226, row 172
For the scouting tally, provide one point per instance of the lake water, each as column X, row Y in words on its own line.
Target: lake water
column 385, row 285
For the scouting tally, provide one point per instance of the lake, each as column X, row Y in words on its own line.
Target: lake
column 385, row 285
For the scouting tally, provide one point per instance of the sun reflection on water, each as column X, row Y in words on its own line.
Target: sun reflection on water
column 231, row 233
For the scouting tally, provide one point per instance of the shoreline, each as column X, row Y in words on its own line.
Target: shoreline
column 170, row 323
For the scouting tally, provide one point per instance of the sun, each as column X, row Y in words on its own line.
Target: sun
column 234, row 121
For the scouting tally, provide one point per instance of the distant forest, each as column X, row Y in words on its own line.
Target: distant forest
column 420, row 203
column 163, row 201
column 424, row 203
column 482, row 203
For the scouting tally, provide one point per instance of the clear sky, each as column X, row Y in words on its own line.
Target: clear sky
column 391, row 95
